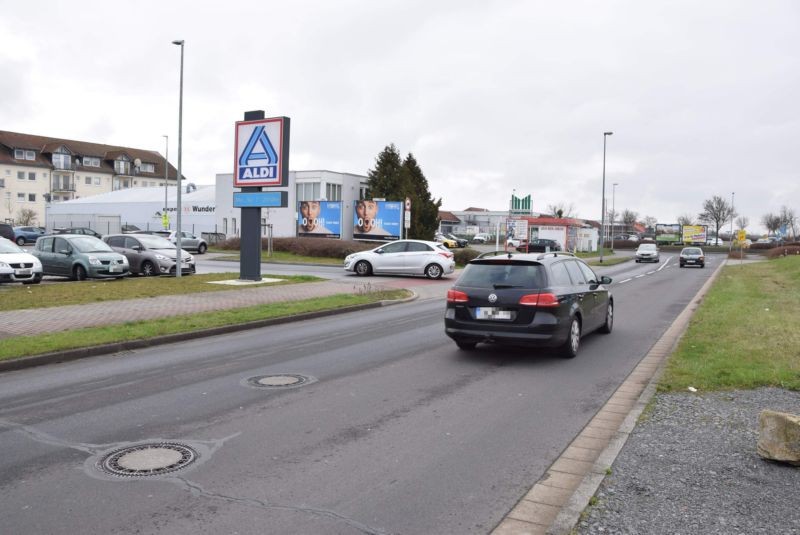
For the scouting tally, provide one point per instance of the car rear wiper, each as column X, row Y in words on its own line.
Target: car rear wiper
column 497, row 286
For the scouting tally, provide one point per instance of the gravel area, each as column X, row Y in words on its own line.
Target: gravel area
column 691, row 467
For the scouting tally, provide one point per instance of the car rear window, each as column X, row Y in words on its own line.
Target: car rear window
column 503, row 273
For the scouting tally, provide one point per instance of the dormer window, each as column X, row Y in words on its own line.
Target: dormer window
column 22, row 154
column 62, row 161
column 122, row 166
column 91, row 161
column 148, row 168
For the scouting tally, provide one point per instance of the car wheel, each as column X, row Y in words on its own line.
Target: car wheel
column 79, row 273
column 466, row 346
column 363, row 268
column 433, row 271
column 570, row 348
column 148, row 269
column 202, row 248
column 20, row 241
column 609, row 323
column 637, row 260
column 36, row 280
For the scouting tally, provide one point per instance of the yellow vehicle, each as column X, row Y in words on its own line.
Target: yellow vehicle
column 447, row 242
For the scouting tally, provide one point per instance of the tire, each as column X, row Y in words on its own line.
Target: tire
column 148, row 269
column 363, row 268
column 79, row 273
column 608, row 325
column 570, row 348
column 20, row 241
column 434, row 271
column 466, row 346
column 202, row 248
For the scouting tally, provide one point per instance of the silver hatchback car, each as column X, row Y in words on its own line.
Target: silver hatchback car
column 150, row 255
column 404, row 257
column 647, row 252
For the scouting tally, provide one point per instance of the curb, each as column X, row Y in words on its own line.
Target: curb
column 116, row 347
column 554, row 504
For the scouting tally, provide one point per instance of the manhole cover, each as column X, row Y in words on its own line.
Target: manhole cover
column 148, row 459
column 283, row 380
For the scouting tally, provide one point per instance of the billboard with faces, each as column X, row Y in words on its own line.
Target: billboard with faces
column 377, row 220
column 319, row 219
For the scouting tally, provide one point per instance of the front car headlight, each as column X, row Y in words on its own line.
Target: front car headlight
column 93, row 260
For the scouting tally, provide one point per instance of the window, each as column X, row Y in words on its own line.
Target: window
column 20, row 175
column 333, row 192
column 62, row 161
column 31, row 197
column 31, row 176
column 90, row 161
column 395, row 247
column 125, row 184
column 588, row 273
column 417, row 247
column 21, row 154
column 308, row 191
column 30, row 155
column 560, row 275
column 224, row 225
column 233, row 224
column 148, row 168
column 122, row 167
column 116, row 241
column 363, row 193
column 20, row 197
column 88, row 181
column 575, row 273
column 2, row 182
column 97, row 181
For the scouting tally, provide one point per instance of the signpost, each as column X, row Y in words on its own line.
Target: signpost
column 261, row 159
column 407, row 216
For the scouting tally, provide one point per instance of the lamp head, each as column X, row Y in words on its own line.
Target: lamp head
column 178, row 42
column 608, row 133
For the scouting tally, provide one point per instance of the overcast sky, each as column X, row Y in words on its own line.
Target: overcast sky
column 489, row 96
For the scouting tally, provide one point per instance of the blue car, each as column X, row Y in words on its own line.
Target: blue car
column 23, row 235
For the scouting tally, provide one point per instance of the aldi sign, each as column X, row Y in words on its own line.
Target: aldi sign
column 262, row 153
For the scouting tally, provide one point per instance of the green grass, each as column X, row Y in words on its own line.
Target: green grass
column 610, row 261
column 745, row 333
column 592, row 254
column 282, row 256
column 22, row 346
column 18, row 297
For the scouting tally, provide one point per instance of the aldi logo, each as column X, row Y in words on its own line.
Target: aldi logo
column 262, row 152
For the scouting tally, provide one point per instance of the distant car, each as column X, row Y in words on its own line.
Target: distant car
column 692, row 256
column 189, row 241
column 79, row 257
column 444, row 240
column 633, row 237
column 620, row 237
column 150, row 255
column 7, row 232
column 129, row 228
column 23, row 235
column 647, row 252
column 539, row 245
column 515, row 242
column 461, row 242
column 86, row 231
column 18, row 266
column 538, row 300
column 714, row 242
column 481, row 238
column 403, row 257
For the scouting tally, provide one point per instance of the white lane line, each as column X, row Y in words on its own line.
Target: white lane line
column 639, row 276
column 623, row 282
column 665, row 263
column 650, row 272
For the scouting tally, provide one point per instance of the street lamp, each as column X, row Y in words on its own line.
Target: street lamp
column 613, row 212
column 166, row 176
column 603, row 208
column 730, row 245
column 178, row 264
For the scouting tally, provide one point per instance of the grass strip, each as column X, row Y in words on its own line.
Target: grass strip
column 23, row 346
column 284, row 257
column 744, row 335
column 610, row 261
column 19, row 297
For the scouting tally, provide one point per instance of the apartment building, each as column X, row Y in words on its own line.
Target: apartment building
column 38, row 170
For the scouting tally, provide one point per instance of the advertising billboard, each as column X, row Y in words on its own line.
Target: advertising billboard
column 319, row 219
column 695, row 234
column 668, row 233
column 377, row 220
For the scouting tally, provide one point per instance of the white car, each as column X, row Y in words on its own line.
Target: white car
column 403, row 257
column 513, row 242
column 18, row 266
column 715, row 242
column 481, row 238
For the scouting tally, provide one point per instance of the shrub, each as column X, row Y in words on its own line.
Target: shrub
column 783, row 251
column 317, row 247
column 462, row 256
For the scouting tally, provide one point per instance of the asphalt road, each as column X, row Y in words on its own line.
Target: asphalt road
column 397, row 430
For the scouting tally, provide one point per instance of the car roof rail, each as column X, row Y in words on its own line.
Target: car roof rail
column 554, row 254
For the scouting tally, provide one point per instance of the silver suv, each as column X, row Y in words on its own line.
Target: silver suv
column 150, row 255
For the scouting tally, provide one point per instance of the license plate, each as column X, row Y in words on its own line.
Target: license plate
column 492, row 313
column 115, row 269
column 23, row 272
column 690, row 261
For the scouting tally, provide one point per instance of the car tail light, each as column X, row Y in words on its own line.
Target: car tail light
column 454, row 296
column 446, row 255
column 539, row 300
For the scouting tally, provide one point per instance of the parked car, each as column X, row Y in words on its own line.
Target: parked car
column 79, row 257
column 23, row 235
column 692, row 256
column 7, row 232
column 129, row 228
column 544, row 300
column 515, row 242
column 405, row 257
column 461, row 242
column 633, row 237
column 150, row 255
column 86, row 231
column 647, row 252
column 444, row 240
column 481, row 238
column 539, row 245
column 18, row 266
column 714, row 242
column 189, row 241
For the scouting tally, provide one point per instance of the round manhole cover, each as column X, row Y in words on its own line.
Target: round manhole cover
column 283, row 380
column 148, row 459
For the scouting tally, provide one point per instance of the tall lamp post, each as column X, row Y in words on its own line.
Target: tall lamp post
column 166, row 175
column 730, row 245
column 613, row 211
column 178, row 260
column 603, row 208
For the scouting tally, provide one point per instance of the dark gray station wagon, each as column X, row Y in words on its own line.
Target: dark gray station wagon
column 545, row 300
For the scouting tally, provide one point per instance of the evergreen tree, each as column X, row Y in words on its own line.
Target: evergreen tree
column 387, row 179
column 424, row 210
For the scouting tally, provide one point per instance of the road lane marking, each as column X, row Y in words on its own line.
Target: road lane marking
column 626, row 280
column 650, row 272
column 639, row 276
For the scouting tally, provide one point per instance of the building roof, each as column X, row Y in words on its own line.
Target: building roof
column 44, row 147
column 473, row 209
column 554, row 221
column 448, row 217
column 203, row 194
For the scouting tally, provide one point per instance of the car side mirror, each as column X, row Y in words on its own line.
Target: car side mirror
column 379, row 251
column 137, row 247
column 65, row 251
column 605, row 280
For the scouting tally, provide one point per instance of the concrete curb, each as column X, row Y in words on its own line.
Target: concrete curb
column 554, row 504
column 116, row 347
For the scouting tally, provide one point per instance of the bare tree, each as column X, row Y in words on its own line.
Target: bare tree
column 716, row 210
column 561, row 209
column 772, row 222
column 789, row 220
column 742, row 222
column 629, row 218
column 685, row 219
column 650, row 222
column 26, row 217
